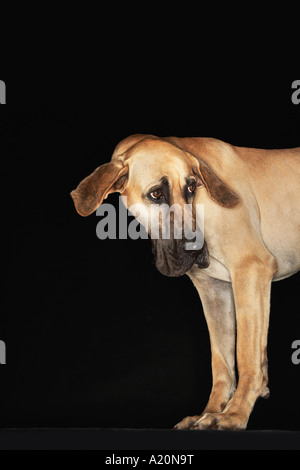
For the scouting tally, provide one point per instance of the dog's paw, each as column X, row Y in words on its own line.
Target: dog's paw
column 225, row 421
column 187, row 423
column 265, row 394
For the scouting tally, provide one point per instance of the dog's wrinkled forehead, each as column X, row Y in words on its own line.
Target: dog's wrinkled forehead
column 151, row 160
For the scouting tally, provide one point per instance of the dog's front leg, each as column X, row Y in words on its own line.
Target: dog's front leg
column 251, row 282
column 218, row 306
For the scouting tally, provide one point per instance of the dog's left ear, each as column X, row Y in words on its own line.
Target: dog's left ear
column 91, row 192
column 215, row 187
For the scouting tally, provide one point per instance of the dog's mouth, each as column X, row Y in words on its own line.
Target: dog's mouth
column 173, row 260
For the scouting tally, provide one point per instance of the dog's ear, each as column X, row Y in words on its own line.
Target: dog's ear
column 215, row 187
column 91, row 192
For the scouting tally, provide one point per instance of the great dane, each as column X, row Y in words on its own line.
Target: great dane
column 252, row 237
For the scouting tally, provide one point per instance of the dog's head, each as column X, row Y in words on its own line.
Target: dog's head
column 155, row 175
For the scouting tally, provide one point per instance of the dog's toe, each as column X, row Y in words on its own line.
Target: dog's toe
column 266, row 393
column 221, row 422
column 187, row 424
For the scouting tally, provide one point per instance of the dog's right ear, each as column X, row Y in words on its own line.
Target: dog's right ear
column 91, row 192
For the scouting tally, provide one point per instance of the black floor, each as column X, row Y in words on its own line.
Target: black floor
column 127, row 439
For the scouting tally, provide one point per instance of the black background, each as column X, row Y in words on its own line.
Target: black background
column 95, row 336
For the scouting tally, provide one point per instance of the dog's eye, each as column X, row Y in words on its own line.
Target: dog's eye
column 192, row 188
column 156, row 195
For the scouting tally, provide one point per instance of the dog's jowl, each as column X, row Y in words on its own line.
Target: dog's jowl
column 243, row 249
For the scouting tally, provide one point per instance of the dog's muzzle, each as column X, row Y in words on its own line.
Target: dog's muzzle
column 173, row 259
